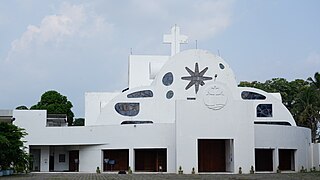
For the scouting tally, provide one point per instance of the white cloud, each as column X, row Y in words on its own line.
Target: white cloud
column 71, row 21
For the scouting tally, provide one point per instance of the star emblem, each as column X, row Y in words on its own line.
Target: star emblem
column 196, row 78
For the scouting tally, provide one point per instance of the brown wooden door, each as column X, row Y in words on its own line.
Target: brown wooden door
column 149, row 160
column 286, row 159
column 74, row 160
column 264, row 159
column 120, row 158
column 211, row 155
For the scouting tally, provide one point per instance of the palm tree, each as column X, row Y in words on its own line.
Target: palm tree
column 316, row 81
column 307, row 110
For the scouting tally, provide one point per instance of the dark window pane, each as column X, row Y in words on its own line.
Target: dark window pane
column 264, row 110
column 167, row 79
column 62, row 158
column 141, row 94
column 247, row 95
column 169, row 94
column 127, row 109
column 221, row 66
column 136, row 122
column 282, row 123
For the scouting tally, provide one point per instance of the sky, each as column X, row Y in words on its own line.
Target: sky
column 81, row 46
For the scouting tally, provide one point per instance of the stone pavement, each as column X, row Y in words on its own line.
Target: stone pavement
column 94, row 176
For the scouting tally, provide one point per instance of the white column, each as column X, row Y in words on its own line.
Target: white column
column 44, row 161
column 131, row 159
column 276, row 159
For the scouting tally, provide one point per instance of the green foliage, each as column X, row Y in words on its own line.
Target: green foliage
column 11, row 147
column 180, row 171
column 23, row 107
column 303, row 170
column 306, row 110
column 129, row 170
column 98, row 170
column 288, row 90
column 302, row 98
column 252, row 170
column 316, row 81
column 78, row 122
column 55, row 103
column 193, row 171
column 278, row 170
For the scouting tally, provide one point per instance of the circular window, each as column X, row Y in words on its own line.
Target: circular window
column 221, row 66
column 167, row 79
column 169, row 94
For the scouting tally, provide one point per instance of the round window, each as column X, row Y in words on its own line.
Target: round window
column 169, row 94
column 221, row 66
column 167, row 79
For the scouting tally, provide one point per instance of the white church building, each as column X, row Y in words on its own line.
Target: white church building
column 181, row 110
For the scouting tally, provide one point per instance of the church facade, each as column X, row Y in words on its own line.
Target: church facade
column 180, row 112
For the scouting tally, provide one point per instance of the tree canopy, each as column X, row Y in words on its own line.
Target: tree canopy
column 23, row 107
column 301, row 97
column 55, row 103
column 11, row 146
column 79, row 122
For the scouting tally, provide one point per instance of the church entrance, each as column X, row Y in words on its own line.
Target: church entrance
column 264, row 159
column 74, row 160
column 151, row 160
column 286, row 159
column 215, row 155
column 116, row 160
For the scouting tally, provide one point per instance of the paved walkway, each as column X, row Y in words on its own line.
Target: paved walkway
column 93, row 176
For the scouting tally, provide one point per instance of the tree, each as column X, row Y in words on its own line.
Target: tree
column 78, row 122
column 307, row 110
column 288, row 90
column 23, row 107
column 11, row 146
column 302, row 98
column 316, row 81
column 55, row 103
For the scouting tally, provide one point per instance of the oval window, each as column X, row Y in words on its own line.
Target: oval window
column 140, row 94
column 248, row 95
column 221, row 66
column 167, row 79
column 169, row 94
column 127, row 109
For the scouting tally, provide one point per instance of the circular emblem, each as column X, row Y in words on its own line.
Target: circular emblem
column 215, row 97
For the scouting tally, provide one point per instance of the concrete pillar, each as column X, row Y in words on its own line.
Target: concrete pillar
column 45, row 157
column 275, row 159
column 131, row 159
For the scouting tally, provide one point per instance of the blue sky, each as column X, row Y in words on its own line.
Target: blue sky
column 82, row 46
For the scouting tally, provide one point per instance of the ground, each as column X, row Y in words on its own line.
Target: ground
column 93, row 176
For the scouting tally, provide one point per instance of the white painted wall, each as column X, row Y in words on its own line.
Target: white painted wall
column 193, row 124
column 178, row 122
column 44, row 159
column 60, row 166
column 143, row 68
column 286, row 137
column 94, row 102
column 91, row 140
column 316, row 155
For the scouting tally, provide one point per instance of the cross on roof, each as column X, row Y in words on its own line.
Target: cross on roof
column 175, row 39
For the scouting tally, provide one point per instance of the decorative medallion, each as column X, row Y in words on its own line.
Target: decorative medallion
column 196, row 78
column 215, row 98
